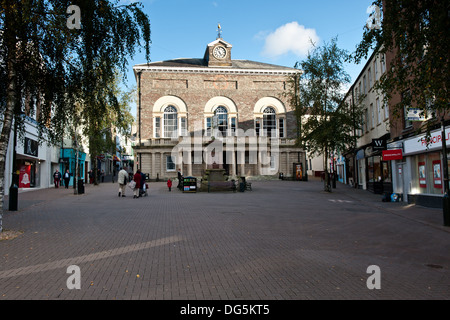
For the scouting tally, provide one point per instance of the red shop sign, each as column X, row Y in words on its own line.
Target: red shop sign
column 394, row 154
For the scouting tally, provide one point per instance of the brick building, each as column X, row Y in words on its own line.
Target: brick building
column 215, row 112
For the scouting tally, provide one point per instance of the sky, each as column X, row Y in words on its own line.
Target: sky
column 276, row 32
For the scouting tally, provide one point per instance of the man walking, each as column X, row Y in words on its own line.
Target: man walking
column 66, row 179
column 122, row 180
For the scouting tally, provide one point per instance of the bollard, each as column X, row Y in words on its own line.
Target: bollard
column 13, row 197
column 446, row 209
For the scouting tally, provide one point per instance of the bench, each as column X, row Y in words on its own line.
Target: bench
column 222, row 185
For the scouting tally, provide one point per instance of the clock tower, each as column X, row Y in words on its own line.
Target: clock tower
column 218, row 52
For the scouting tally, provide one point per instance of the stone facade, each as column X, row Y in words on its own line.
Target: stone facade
column 180, row 98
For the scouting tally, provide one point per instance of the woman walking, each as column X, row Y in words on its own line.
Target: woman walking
column 137, row 179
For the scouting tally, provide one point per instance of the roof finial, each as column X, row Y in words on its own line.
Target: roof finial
column 219, row 31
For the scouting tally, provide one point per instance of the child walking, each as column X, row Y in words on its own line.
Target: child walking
column 169, row 184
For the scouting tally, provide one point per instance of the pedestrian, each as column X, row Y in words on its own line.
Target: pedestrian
column 91, row 177
column 180, row 179
column 57, row 178
column 66, row 179
column 122, row 180
column 143, row 181
column 137, row 180
column 169, row 184
column 103, row 175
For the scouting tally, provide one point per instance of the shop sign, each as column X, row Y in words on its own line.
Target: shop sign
column 378, row 144
column 394, row 154
column 24, row 176
column 420, row 143
column 31, row 147
column 415, row 114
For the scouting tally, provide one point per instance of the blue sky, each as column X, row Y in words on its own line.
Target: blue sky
column 267, row 31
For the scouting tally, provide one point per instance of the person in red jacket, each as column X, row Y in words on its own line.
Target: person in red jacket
column 137, row 179
column 169, row 184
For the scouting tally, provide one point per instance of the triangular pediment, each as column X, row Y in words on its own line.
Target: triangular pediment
column 219, row 41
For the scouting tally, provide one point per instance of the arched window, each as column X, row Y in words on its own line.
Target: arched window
column 170, row 122
column 269, row 122
column 222, row 119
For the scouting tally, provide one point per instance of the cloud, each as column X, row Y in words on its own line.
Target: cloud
column 290, row 37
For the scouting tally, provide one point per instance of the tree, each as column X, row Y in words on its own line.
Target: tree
column 327, row 122
column 116, row 118
column 416, row 34
column 43, row 60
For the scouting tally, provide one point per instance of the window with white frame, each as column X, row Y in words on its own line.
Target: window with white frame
column 170, row 163
column 183, row 127
column 378, row 111
column 383, row 63
column 222, row 120
column 170, row 122
column 208, row 124
column 386, row 110
column 157, row 127
column 233, row 125
column 281, row 128
column 372, row 116
column 269, row 122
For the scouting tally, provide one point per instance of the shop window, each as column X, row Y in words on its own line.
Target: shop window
column 426, row 174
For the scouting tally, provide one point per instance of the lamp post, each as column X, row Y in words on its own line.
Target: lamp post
column 446, row 198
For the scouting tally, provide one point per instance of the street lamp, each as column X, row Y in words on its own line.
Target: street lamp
column 446, row 198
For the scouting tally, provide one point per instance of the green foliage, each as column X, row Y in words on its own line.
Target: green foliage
column 417, row 34
column 328, row 122
column 59, row 67
column 66, row 74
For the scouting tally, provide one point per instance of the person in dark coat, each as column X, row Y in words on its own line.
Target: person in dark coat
column 180, row 179
column 66, row 179
column 137, row 178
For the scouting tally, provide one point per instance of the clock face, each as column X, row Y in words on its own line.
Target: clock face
column 219, row 52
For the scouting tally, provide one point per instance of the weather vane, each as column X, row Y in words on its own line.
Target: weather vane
column 219, row 31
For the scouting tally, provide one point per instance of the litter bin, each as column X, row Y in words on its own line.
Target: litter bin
column 80, row 186
column 189, row 184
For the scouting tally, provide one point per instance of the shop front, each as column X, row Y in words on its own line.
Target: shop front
column 28, row 163
column 379, row 174
column 424, row 159
column 68, row 161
